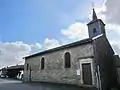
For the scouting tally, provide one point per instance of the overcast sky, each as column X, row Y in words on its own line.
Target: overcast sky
column 29, row 26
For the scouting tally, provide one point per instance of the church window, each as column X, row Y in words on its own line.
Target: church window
column 27, row 66
column 42, row 63
column 67, row 60
column 94, row 30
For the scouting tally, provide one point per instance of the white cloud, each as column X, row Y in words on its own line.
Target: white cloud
column 116, row 46
column 114, row 27
column 76, row 31
column 108, row 11
column 13, row 52
column 36, row 45
column 112, row 11
column 51, row 43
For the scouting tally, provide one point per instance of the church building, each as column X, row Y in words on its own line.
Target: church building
column 86, row 62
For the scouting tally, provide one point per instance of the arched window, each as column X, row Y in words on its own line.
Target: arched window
column 27, row 66
column 67, row 60
column 42, row 63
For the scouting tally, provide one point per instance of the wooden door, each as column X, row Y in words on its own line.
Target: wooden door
column 86, row 73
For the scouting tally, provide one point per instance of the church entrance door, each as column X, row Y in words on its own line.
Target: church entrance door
column 86, row 73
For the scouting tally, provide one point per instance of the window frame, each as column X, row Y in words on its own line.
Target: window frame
column 42, row 63
column 67, row 60
column 94, row 30
column 27, row 66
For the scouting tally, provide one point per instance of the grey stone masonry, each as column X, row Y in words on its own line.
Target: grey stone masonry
column 54, row 70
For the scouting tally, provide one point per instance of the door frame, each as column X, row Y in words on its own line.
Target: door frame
column 84, row 61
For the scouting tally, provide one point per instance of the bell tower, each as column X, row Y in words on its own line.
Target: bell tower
column 96, row 26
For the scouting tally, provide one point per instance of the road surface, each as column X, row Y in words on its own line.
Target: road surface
column 6, row 84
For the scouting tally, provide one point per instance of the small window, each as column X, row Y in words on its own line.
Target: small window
column 27, row 66
column 94, row 30
column 42, row 63
column 67, row 60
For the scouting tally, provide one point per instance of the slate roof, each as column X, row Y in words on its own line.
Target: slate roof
column 81, row 42
column 93, row 21
column 16, row 67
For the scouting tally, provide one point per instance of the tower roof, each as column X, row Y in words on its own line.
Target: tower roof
column 94, row 17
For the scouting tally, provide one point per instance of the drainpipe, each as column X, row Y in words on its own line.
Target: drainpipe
column 30, row 74
column 99, row 80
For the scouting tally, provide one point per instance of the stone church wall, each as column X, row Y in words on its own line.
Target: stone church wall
column 54, row 70
column 117, row 65
column 103, row 57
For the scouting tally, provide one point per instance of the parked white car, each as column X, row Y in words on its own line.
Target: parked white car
column 20, row 76
column 2, row 76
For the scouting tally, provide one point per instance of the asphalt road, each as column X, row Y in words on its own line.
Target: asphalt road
column 6, row 84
